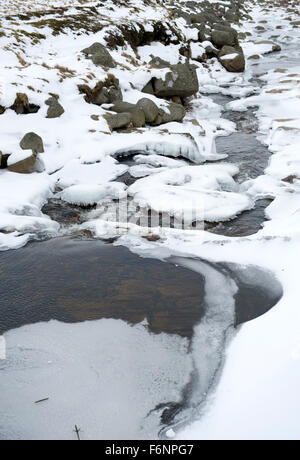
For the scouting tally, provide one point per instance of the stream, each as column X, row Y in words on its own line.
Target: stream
column 80, row 280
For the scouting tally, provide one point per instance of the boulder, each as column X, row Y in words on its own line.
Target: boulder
column 149, row 108
column 232, row 59
column 27, row 165
column 105, row 92
column 174, row 112
column 22, row 106
column 2, row 109
column 159, row 63
column 55, row 110
column 137, row 115
column 180, row 81
column 118, row 120
column 32, row 141
column 223, row 38
column 99, row 55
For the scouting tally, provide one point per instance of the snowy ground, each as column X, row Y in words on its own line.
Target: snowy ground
column 257, row 396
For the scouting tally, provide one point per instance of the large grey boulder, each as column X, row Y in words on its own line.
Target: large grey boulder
column 180, row 81
column 32, row 141
column 118, row 120
column 232, row 59
column 55, row 110
column 99, row 55
column 137, row 115
column 149, row 108
column 173, row 112
column 223, row 38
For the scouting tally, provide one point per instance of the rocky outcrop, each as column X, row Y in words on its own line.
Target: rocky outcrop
column 99, row 55
column 232, row 59
column 136, row 34
column 105, row 92
column 32, row 141
column 145, row 111
column 55, row 109
column 22, row 106
column 180, row 81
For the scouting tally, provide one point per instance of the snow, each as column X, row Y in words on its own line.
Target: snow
column 209, row 190
column 88, row 195
column 256, row 396
column 88, row 370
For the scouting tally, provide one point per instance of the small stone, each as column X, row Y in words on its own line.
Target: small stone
column 32, row 141
column 55, row 109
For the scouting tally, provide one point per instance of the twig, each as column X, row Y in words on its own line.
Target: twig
column 41, row 400
column 77, row 431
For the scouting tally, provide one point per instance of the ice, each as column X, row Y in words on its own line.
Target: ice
column 89, row 195
column 104, row 376
column 209, row 190
column 21, row 199
column 75, row 172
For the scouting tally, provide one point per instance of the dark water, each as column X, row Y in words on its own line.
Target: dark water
column 246, row 224
column 79, row 280
column 252, row 157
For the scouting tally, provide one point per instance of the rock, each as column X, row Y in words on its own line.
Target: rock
column 149, row 108
column 2, row 109
column 32, row 141
column 3, row 160
column 174, row 112
column 275, row 46
column 223, row 38
column 180, row 81
column 232, row 59
column 137, row 115
column 27, row 166
column 99, row 55
column 118, row 120
column 105, row 92
column 254, row 57
column 159, row 63
column 55, row 109
column 22, row 106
